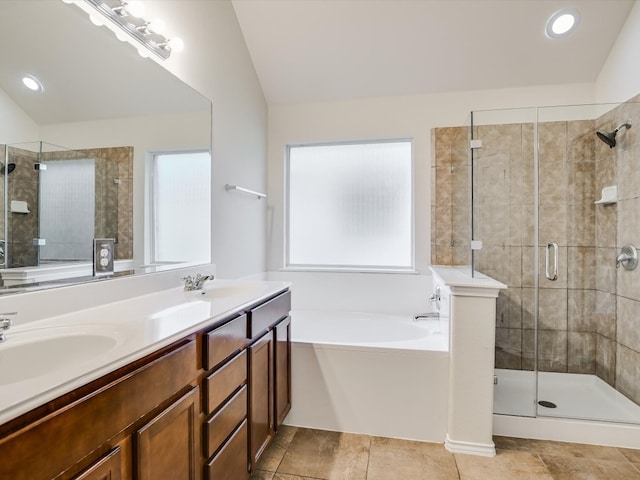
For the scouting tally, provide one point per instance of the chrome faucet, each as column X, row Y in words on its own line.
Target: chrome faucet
column 622, row 258
column 195, row 283
column 434, row 299
column 5, row 324
column 628, row 257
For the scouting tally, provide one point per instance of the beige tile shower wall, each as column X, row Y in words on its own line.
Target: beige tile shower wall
column 581, row 251
column 119, row 207
column 618, row 290
column 450, row 196
column 503, row 220
column 23, row 227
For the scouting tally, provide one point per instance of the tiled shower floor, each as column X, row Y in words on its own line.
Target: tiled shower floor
column 575, row 396
column 305, row 454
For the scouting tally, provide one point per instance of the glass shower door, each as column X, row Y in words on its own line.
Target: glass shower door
column 504, row 221
column 4, row 173
column 588, row 353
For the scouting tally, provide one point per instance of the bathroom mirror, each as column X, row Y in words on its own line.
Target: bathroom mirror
column 98, row 96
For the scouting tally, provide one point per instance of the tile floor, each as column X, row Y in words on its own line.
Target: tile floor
column 305, row 454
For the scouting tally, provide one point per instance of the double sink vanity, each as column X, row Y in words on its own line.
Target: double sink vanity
column 167, row 384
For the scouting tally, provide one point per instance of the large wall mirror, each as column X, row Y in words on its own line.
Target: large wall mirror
column 75, row 155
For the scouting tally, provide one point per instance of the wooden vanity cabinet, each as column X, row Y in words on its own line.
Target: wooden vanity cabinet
column 269, row 371
column 207, row 404
column 99, row 431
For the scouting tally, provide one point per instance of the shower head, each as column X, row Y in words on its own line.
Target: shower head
column 8, row 169
column 610, row 137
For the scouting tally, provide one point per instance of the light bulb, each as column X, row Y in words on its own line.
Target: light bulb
column 97, row 20
column 176, row 44
column 120, row 35
column 32, row 83
column 143, row 52
column 563, row 24
column 135, row 8
column 157, row 26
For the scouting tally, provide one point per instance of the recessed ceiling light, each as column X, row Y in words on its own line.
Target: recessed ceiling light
column 562, row 23
column 32, row 83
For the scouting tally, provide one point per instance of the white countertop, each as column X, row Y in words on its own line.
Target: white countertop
column 44, row 359
column 459, row 280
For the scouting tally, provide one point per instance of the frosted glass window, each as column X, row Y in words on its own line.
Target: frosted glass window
column 67, row 209
column 350, row 206
column 182, row 207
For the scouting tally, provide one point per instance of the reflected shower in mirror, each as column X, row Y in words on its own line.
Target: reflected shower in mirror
column 59, row 200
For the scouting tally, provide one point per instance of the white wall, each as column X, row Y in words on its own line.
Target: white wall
column 396, row 117
column 15, row 125
column 619, row 79
column 216, row 62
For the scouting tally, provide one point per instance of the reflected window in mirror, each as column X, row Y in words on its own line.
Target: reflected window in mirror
column 181, row 207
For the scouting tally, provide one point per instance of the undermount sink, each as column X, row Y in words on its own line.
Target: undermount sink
column 27, row 358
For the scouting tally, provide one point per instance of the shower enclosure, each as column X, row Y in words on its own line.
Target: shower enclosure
column 552, row 205
column 54, row 202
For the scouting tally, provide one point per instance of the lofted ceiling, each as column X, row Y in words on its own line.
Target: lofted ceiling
column 324, row 50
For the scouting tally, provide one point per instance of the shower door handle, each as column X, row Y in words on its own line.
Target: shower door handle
column 547, row 268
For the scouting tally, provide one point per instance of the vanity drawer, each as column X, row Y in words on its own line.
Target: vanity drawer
column 262, row 317
column 231, row 461
column 220, row 426
column 224, row 381
column 224, row 341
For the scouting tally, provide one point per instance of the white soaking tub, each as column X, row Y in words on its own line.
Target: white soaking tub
column 370, row 373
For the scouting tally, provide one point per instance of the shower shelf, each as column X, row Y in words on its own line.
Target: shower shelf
column 609, row 196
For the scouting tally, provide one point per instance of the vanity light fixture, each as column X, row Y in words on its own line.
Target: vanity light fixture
column 127, row 15
column 562, row 23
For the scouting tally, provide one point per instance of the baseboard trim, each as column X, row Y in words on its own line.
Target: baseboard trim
column 470, row 448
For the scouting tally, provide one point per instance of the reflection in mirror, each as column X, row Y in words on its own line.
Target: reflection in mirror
column 112, row 110
column 59, row 200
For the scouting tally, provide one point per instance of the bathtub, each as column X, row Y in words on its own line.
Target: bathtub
column 370, row 373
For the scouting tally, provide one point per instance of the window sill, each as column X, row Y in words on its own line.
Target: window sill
column 406, row 271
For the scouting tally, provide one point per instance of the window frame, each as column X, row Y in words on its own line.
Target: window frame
column 288, row 266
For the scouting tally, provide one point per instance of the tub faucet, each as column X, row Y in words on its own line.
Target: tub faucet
column 5, row 324
column 195, row 283
column 426, row 316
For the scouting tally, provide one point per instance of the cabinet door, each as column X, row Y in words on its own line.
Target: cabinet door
column 168, row 446
column 108, row 467
column 282, row 370
column 260, row 395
